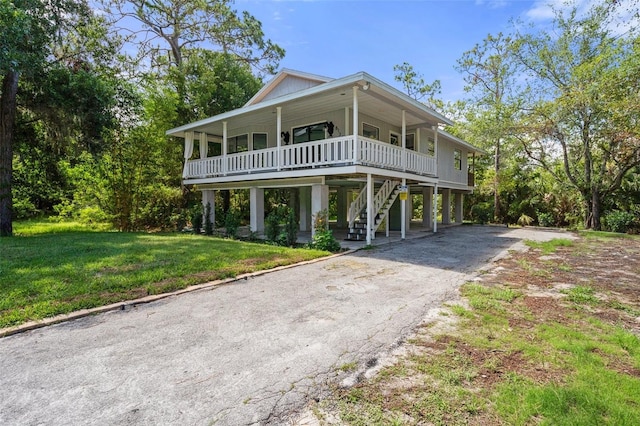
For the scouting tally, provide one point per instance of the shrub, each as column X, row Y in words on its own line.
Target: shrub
column 208, row 224
column 323, row 239
column 232, row 223
column 525, row 220
column 196, row 218
column 281, row 226
column 291, row 227
column 482, row 212
column 545, row 219
column 619, row 221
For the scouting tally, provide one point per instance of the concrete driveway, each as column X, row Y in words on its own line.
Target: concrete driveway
column 252, row 352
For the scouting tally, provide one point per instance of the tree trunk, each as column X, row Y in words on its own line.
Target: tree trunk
column 595, row 211
column 496, row 184
column 7, row 122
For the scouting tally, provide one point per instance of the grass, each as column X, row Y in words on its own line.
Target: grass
column 549, row 247
column 516, row 358
column 50, row 269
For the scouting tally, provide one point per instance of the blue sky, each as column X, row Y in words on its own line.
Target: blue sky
column 336, row 38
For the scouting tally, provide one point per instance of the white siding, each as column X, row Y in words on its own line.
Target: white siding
column 290, row 84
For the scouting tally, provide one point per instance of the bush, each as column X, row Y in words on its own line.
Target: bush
column 196, row 218
column 619, row 221
column 323, row 239
column 208, row 224
column 281, row 226
column 231, row 223
column 482, row 213
column 545, row 219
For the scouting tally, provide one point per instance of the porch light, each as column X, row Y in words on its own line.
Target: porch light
column 366, row 85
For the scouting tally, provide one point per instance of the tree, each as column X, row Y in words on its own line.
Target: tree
column 490, row 73
column 27, row 28
column 582, row 104
column 415, row 86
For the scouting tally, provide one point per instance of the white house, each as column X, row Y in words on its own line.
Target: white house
column 355, row 135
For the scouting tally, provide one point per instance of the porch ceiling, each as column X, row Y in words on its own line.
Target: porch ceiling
column 375, row 102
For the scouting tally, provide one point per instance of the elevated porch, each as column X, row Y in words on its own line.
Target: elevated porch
column 333, row 152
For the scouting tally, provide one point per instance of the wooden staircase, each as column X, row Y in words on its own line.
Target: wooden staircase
column 382, row 202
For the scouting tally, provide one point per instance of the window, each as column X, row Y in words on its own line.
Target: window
column 457, row 159
column 371, row 132
column 411, row 141
column 312, row 132
column 259, row 140
column 238, row 144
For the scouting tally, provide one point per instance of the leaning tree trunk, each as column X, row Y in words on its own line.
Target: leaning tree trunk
column 7, row 121
column 596, row 225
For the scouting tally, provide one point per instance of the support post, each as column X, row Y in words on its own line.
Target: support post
column 342, row 207
column 435, row 208
column 256, row 207
column 435, row 147
column 446, row 206
column 369, row 207
column 278, row 133
column 354, row 125
column 305, row 208
column 209, row 197
column 458, row 206
column 427, row 209
column 319, row 201
column 403, row 211
column 404, row 143
column 224, row 148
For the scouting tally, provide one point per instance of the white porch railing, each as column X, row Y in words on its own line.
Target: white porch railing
column 338, row 151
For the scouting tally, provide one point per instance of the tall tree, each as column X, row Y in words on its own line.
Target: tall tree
column 582, row 104
column 416, row 87
column 490, row 74
column 27, row 28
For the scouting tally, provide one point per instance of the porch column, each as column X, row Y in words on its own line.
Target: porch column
column 427, row 206
column 403, row 208
column 346, row 120
column 458, row 204
column 188, row 151
column 305, row 208
column 204, row 146
column 319, row 200
column 404, row 142
column 435, row 148
column 256, row 208
column 209, row 197
column 342, row 207
column 278, row 133
column 224, row 148
column 435, row 208
column 446, row 206
column 354, row 125
column 369, row 207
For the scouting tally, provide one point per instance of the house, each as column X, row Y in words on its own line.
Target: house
column 356, row 135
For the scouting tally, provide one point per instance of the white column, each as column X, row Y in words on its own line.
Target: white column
column 446, row 206
column 224, row 148
column 370, row 217
column 458, row 206
column 435, row 148
column 435, row 208
column 278, row 133
column 209, row 197
column 256, row 209
column 404, row 141
column 305, row 208
column 204, row 146
column 319, row 200
column 342, row 207
column 346, row 121
column 403, row 211
column 427, row 200
column 354, row 125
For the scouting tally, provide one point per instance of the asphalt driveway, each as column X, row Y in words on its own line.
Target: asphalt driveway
column 251, row 352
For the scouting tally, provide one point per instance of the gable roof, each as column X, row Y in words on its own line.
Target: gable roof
column 285, row 82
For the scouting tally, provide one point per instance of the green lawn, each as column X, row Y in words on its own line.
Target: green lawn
column 49, row 269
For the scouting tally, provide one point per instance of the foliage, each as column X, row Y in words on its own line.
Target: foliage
column 481, row 213
column 208, row 224
column 415, row 86
column 525, row 220
column 323, row 238
column 545, row 219
column 231, row 223
column 196, row 216
column 281, row 226
column 620, row 221
column 61, row 267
